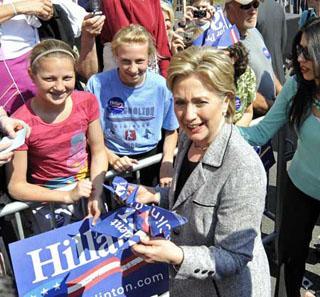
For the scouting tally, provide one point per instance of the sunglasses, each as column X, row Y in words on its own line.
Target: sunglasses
column 303, row 51
column 254, row 4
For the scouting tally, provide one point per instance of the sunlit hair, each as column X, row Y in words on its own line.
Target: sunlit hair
column 50, row 48
column 213, row 66
column 133, row 34
column 166, row 7
column 193, row 2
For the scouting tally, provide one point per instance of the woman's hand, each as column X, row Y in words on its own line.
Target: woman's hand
column 83, row 189
column 158, row 250
column 40, row 8
column 9, row 126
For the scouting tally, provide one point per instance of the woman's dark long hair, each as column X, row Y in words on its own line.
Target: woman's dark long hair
column 240, row 55
column 302, row 100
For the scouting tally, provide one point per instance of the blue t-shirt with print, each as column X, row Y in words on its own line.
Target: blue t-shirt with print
column 132, row 117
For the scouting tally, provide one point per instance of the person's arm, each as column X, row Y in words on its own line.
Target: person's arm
column 88, row 60
column 239, row 214
column 277, row 85
column 98, row 167
column 39, row 8
column 261, row 104
column 120, row 164
column 8, row 126
column 276, row 117
column 19, row 188
column 161, row 41
column 7, row 11
column 166, row 169
column 246, row 117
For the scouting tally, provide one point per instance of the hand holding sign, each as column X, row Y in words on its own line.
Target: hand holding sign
column 158, row 250
column 16, row 139
column 135, row 220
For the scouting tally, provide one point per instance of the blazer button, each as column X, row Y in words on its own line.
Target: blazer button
column 204, row 271
column 197, row 270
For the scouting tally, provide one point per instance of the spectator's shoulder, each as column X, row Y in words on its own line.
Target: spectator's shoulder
column 242, row 153
column 25, row 113
column 102, row 77
column 23, row 110
column 82, row 97
column 156, row 79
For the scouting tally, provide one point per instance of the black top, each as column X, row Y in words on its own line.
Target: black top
column 186, row 169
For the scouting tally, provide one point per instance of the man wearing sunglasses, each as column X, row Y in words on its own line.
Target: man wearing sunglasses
column 244, row 13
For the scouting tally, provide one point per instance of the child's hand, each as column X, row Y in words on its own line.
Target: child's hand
column 94, row 210
column 83, row 189
column 122, row 164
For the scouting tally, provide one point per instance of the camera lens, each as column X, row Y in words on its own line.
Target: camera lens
column 199, row 14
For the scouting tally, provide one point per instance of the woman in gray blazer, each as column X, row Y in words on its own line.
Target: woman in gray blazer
column 219, row 185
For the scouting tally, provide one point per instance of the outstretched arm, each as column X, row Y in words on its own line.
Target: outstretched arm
column 98, row 166
column 88, row 60
column 20, row 189
column 39, row 8
column 166, row 169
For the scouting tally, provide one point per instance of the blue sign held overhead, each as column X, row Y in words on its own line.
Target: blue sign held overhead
column 220, row 34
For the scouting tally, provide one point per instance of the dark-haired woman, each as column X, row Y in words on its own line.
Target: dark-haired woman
column 299, row 104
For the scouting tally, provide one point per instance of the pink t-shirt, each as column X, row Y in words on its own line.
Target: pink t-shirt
column 58, row 153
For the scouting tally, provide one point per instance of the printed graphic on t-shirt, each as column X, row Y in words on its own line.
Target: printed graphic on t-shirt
column 77, row 161
column 128, row 125
column 115, row 105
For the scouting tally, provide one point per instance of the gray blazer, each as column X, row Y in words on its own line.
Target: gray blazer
column 223, row 200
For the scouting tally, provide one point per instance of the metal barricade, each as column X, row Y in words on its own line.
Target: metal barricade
column 15, row 208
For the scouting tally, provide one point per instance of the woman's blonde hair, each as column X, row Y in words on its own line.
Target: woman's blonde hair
column 166, row 7
column 133, row 34
column 213, row 66
column 50, row 48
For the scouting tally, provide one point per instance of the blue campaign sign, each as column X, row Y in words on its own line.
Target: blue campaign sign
column 74, row 261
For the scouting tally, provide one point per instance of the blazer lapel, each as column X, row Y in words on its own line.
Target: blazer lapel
column 194, row 182
column 213, row 158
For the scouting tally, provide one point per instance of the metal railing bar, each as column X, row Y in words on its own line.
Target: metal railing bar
column 19, row 225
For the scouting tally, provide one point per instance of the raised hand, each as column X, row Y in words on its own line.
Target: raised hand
column 40, row 8
column 83, row 189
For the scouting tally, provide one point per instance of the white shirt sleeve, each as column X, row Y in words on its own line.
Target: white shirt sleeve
column 75, row 12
